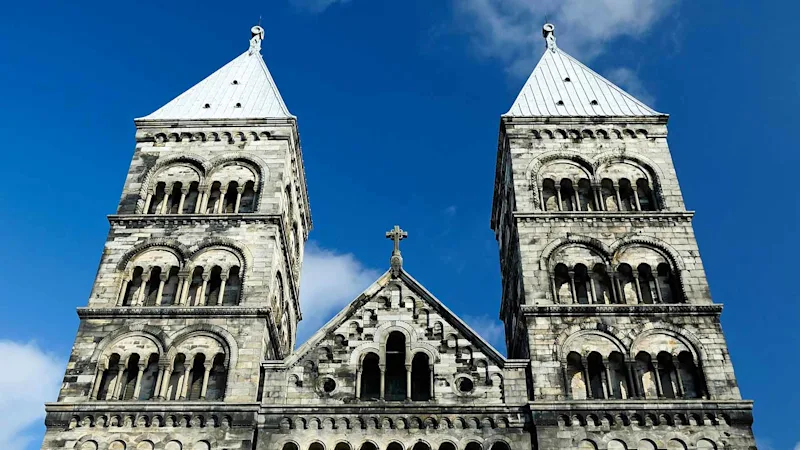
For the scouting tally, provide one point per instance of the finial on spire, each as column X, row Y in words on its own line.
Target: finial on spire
column 548, row 31
column 396, row 261
column 257, row 34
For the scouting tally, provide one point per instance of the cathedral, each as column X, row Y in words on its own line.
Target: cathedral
column 188, row 339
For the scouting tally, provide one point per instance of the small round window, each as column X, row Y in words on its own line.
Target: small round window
column 465, row 385
column 328, row 385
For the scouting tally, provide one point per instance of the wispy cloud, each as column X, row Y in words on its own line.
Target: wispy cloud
column 330, row 281
column 31, row 379
column 630, row 81
column 489, row 328
column 511, row 29
column 315, row 6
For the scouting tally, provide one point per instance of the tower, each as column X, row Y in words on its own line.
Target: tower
column 603, row 285
column 198, row 281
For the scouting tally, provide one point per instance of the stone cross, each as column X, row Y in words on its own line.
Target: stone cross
column 397, row 235
column 396, row 261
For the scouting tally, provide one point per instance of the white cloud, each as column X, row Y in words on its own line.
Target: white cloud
column 330, row 281
column 797, row 446
column 489, row 329
column 512, row 29
column 629, row 80
column 315, row 6
column 33, row 378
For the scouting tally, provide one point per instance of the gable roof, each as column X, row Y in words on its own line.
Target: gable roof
column 560, row 86
column 245, row 81
column 347, row 312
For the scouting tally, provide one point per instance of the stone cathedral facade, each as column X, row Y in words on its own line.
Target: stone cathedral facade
column 188, row 339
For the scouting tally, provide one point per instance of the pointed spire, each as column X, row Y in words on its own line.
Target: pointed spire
column 560, row 86
column 241, row 89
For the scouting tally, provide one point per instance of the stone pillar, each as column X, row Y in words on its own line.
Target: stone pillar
column 577, row 199
column 159, row 380
column 199, row 207
column 123, row 289
column 636, row 199
column 554, row 288
column 224, row 278
column 567, row 383
column 433, row 382
column 383, row 381
column 147, row 202
column 162, row 280
column 119, row 381
column 586, row 381
column 630, row 373
column 358, row 383
column 97, row 382
column 218, row 208
column 572, row 286
column 239, row 191
column 592, row 291
column 619, row 200
column 598, row 196
column 184, row 193
column 558, row 196
column 206, row 373
column 659, row 387
column 186, row 380
column 165, row 202
column 607, row 375
column 620, row 292
column 138, row 386
column 179, row 291
column 408, row 381
column 202, row 298
column 678, row 377
column 658, row 288
column 205, row 194
column 637, row 286
column 163, row 391
column 142, row 289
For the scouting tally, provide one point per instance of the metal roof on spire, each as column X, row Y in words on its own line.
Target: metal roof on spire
column 560, row 86
column 241, row 89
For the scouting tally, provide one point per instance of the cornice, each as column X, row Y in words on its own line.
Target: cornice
column 604, row 216
column 221, row 123
column 593, row 120
column 621, row 310
column 149, row 406
column 186, row 219
column 173, row 312
column 660, row 404
column 398, row 408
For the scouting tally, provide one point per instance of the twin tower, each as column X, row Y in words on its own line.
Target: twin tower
column 188, row 339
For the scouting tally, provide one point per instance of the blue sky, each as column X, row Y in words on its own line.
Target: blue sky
column 398, row 106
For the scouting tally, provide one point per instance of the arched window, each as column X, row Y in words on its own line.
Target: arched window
column 500, row 445
column 421, row 378
column 395, row 378
column 576, row 387
column 690, row 376
column 342, row 446
column 213, row 287
column 196, row 375
column 370, row 378
column 608, row 195
column 582, row 287
column 585, row 196
column 596, row 375
column 170, row 287
column 394, row 446
column 290, row 446
column 473, row 446
column 153, row 282
column 130, row 376
column 666, row 374
column 619, row 381
column 646, row 375
column 667, row 283
column 627, row 288
column 368, row 446
column 232, row 286
column 214, row 198
column 217, row 379
column 645, row 195
column 549, row 198
column 561, row 284
column 196, row 287
column 231, row 195
column 568, row 196
column 158, row 198
column 132, row 288
column 626, row 195
column 646, row 284
column 108, row 381
column 149, row 378
column 177, row 379
column 601, row 282
column 248, row 202
column 421, row 445
column 174, row 200
column 190, row 201
column 316, row 446
column 447, row 445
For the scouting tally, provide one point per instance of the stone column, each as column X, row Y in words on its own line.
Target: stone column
column 162, row 280
column 598, row 196
column 659, row 387
column 206, row 373
column 119, row 381
column 147, row 201
column 138, row 386
column 616, row 194
column 658, row 288
column 224, row 277
column 586, row 381
column 558, row 197
column 182, row 274
column 165, row 202
column 577, row 199
column 205, row 194
column 184, row 193
column 186, row 380
column 199, row 207
column 567, row 383
column 163, row 391
column 358, row 383
column 620, row 292
column 637, row 286
column 592, row 291
column 636, row 199
column 202, row 298
column 630, row 371
column 239, row 191
column 220, row 203
column 123, row 289
column 678, row 377
column 142, row 288
column 554, row 288
column 97, row 382
column 433, row 382
column 159, row 379
column 607, row 374
column 408, row 381
column 383, row 381
column 572, row 286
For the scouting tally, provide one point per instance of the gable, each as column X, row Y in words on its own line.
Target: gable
column 396, row 307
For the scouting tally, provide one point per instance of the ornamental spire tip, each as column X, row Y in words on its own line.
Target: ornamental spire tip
column 548, row 31
column 257, row 35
